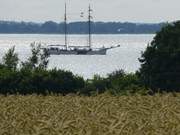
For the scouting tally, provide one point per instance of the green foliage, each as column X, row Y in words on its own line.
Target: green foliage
column 100, row 83
column 39, row 81
column 160, row 63
column 97, row 85
column 33, row 77
column 10, row 60
column 122, row 83
column 8, row 80
column 44, row 59
column 38, row 58
column 115, row 83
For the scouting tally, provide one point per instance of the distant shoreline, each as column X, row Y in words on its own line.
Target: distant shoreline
column 50, row 27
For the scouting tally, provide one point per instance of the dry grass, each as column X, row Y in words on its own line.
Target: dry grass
column 101, row 115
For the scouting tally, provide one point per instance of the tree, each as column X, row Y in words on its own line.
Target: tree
column 160, row 63
column 10, row 60
column 38, row 59
column 44, row 59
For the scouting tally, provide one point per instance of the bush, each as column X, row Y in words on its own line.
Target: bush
column 117, row 82
column 97, row 85
column 8, row 81
column 39, row 82
column 122, row 83
column 33, row 77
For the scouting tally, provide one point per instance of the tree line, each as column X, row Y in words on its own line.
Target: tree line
column 51, row 27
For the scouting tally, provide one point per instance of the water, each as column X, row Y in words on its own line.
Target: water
column 125, row 57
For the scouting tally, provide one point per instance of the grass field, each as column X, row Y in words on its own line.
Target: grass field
column 100, row 115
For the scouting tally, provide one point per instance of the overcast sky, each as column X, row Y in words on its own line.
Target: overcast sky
column 103, row 10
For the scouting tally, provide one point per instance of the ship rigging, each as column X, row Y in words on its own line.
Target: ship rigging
column 77, row 50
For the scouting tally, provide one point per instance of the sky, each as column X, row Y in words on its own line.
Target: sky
column 144, row 11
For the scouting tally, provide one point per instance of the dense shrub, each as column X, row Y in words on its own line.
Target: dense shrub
column 39, row 81
column 33, row 77
column 121, row 82
column 97, row 85
column 117, row 82
column 8, row 80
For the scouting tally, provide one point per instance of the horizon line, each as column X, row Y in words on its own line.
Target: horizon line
column 41, row 22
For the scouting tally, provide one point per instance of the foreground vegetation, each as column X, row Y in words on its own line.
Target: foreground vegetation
column 33, row 77
column 98, row 115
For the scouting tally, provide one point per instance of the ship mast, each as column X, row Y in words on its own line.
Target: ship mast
column 65, row 27
column 89, row 26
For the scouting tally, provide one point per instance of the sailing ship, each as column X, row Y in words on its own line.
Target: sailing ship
column 77, row 50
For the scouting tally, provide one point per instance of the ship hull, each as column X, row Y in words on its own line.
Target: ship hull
column 62, row 52
column 77, row 52
column 97, row 52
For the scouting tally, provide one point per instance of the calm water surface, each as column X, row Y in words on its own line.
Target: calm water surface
column 125, row 57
